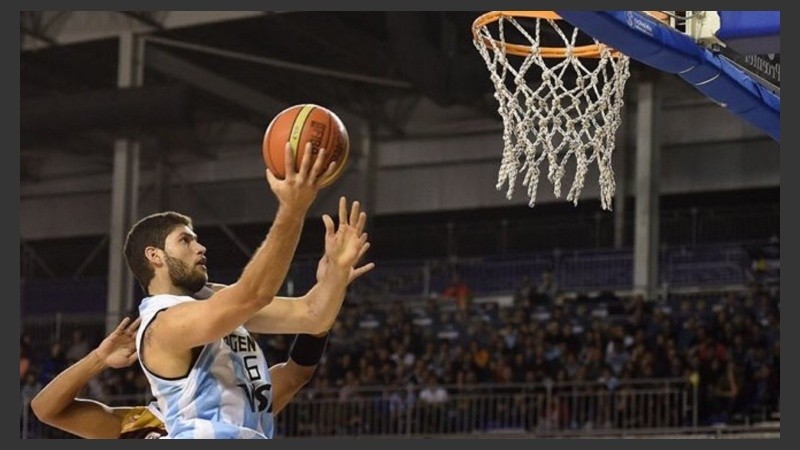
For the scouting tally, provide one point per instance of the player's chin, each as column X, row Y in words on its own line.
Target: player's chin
column 201, row 273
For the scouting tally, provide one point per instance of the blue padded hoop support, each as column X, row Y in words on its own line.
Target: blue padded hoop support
column 649, row 41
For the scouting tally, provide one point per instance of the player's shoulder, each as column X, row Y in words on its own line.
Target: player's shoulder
column 155, row 303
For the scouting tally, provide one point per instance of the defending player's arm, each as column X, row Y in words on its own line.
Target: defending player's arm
column 290, row 376
column 316, row 311
column 56, row 404
column 193, row 324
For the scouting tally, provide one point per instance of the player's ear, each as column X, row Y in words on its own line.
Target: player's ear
column 154, row 255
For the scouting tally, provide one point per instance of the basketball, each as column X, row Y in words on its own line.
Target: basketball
column 298, row 125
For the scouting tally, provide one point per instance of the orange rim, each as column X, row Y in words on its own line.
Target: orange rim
column 581, row 51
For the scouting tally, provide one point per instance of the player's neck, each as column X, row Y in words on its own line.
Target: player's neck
column 165, row 287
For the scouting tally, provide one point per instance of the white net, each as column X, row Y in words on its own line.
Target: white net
column 554, row 106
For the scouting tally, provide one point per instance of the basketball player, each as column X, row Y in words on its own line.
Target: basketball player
column 57, row 404
column 208, row 375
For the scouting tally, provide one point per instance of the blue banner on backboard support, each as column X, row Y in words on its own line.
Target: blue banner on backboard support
column 658, row 45
column 751, row 32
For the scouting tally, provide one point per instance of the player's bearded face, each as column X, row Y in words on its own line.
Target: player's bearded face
column 191, row 278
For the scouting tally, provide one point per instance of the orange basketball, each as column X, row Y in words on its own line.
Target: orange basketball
column 298, row 125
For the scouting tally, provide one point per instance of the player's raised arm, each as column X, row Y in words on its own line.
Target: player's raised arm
column 316, row 311
column 190, row 324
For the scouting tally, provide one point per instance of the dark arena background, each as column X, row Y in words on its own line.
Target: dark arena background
column 484, row 316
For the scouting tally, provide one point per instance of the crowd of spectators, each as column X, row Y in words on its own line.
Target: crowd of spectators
column 726, row 345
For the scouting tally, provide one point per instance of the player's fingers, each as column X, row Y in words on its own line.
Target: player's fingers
column 305, row 163
column 329, row 227
column 362, row 270
column 134, row 326
column 271, row 178
column 329, row 171
column 362, row 222
column 121, row 327
column 288, row 161
column 318, row 165
column 355, row 208
column 342, row 211
column 363, row 250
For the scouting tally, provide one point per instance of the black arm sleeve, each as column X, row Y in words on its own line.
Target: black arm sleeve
column 307, row 349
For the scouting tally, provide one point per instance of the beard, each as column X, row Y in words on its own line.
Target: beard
column 191, row 279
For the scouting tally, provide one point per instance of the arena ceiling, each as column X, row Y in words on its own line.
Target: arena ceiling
column 206, row 72
column 404, row 73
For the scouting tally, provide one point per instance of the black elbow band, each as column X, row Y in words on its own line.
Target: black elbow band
column 307, row 349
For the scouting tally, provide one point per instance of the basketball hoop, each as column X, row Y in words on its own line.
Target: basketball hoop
column 571, row 109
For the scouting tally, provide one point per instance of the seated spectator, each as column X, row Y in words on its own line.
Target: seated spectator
column 402, row 357
column 433, row 393
column 617, row 356
column 724, row 392
column 432, row 403
column 350, row 388
column 480, row 360
column 458, row 291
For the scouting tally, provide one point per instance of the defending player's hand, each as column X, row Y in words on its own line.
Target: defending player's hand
column 118, row 349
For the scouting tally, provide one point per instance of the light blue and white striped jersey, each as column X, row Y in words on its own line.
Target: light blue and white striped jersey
column 227, row 393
